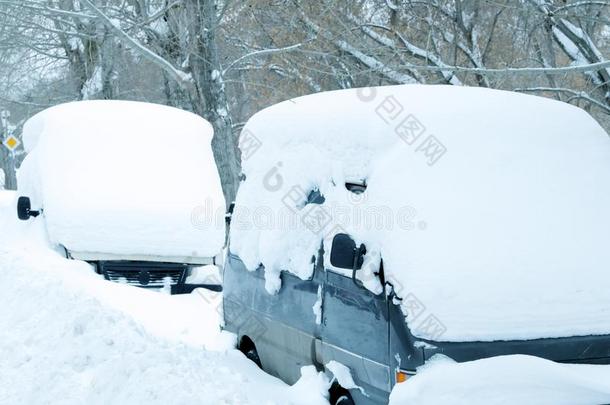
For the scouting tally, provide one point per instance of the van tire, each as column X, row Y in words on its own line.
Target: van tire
column 339, row 395
column 344, row 400
column 252, row 355
column 247, row 347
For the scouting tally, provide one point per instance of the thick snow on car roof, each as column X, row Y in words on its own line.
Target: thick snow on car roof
column 489, row 208
column 125, row 178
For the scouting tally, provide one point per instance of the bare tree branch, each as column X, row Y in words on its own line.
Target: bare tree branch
column 515, row 70
column 261, row 53
column 183, row 78
column 576, row 94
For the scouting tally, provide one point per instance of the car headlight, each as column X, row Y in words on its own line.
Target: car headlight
column 403, row 375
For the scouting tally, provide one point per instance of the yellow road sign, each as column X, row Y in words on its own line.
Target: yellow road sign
column 11, row 143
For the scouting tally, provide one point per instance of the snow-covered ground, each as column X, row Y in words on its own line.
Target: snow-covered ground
column 505, row 380
column 69, row 337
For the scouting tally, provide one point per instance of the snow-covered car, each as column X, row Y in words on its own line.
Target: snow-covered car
column 129, row 187
column 379, row 227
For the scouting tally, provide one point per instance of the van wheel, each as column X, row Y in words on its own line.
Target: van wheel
column 247, row 347
column 252, row 355
column 339, row 395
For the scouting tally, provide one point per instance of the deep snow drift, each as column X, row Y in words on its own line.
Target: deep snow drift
column 505, row 380
column 489, row 208
column 69, row 337
column 125, row 178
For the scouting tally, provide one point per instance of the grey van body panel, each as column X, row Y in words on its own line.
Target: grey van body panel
column 284, row 335
column 578, row 349
column 355, row 333
column 575, row 349
column 364, row 332
column 372, row 377
column 287, row 336
column 403, row 351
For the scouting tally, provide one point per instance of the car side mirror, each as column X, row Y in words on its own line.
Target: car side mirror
column 24, row 209
column 344, row 254
column 229, row 213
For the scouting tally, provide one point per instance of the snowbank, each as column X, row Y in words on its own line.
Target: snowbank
column 124, row 178
column 505, row 380
column 489, row 208
column 8, row 207
column 7, row 199
column 69, row 337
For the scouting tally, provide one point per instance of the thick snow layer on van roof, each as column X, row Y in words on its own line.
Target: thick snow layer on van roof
column 489, row 208
column 124, row 178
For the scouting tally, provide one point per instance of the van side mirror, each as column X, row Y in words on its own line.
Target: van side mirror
column 344, row 254
column 24, row 209
column 229, row 213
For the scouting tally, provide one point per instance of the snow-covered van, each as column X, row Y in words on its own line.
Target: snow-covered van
column 129, row 187
column 379, row 227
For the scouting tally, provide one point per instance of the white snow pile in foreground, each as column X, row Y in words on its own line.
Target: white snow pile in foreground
column 505, row 380
column 69, row 337
column 488, row 208
column 7, row 199
column 124, row 177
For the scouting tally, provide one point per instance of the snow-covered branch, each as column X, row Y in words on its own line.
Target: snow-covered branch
column 590, row 67
column 367, row 60
column 261, row 53
column 575, row 95
column 183, row 78
column 578, row 4
column 412, row 49
column 578, row 45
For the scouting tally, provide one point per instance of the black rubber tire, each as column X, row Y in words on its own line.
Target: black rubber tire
column 253, row 356
column 344, row 400
column 247, row 347
column 339, row 395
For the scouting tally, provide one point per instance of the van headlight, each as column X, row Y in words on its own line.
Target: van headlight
column 403, row 375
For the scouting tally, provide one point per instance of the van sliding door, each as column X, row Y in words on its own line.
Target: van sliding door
column 355, row 332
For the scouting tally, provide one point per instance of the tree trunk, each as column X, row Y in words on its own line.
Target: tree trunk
column 212, row 101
